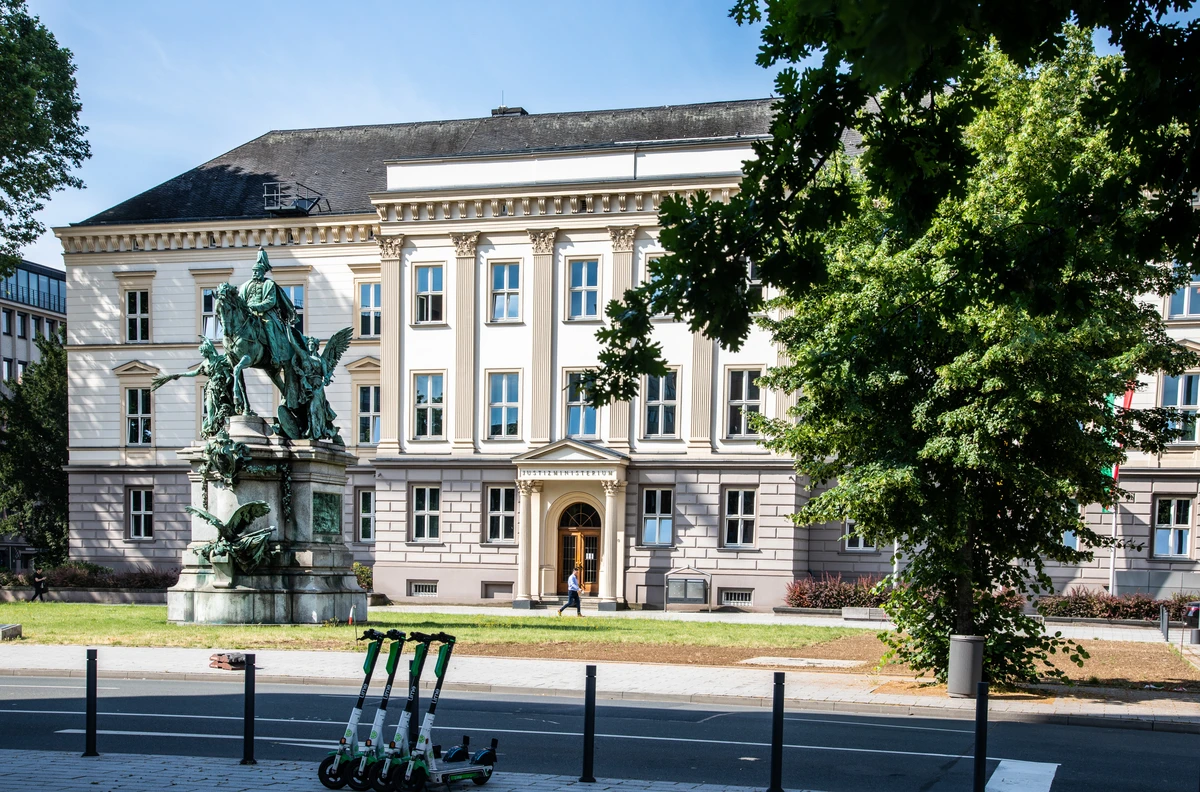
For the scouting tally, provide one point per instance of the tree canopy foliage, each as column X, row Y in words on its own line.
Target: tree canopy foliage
column 41, row 139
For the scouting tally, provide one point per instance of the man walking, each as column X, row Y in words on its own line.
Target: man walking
column 572, row 593
column 39, row 585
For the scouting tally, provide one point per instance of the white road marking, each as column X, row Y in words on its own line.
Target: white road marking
column 1015, row 776
column 877, row 725
column 177, row 715
column 58, row 687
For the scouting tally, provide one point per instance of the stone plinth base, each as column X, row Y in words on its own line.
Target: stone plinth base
column 310, row 579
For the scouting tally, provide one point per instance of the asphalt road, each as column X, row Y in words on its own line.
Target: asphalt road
column 671, row 742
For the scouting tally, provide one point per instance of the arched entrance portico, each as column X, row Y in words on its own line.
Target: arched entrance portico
column 572, row 510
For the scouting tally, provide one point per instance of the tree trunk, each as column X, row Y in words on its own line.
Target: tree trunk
column 964, row 616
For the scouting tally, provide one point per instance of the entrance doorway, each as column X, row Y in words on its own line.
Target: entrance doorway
column 579, row 545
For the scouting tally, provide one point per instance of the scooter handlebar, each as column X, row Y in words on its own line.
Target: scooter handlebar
column 373, row 635
column 395, row 635
column 427, row 638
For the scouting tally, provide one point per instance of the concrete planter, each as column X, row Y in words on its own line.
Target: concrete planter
column 105, row 596
column 864, row 614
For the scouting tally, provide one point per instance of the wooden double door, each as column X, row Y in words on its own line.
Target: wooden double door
column 579, row 545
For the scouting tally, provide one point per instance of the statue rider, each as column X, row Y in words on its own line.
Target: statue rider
column 268, row 302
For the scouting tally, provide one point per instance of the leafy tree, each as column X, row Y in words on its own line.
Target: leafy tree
column 40, row 136
column 959, row 300
column 33, row 453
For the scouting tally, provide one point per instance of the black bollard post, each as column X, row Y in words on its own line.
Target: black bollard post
column 981, row 723
column 589, row 726
column 89, row 727
column 248, row 715
column 777, row 736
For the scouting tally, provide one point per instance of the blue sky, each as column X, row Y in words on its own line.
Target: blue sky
column 166, row 86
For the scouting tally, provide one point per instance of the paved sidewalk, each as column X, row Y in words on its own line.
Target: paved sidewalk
column 714, row 685
column 69, row 772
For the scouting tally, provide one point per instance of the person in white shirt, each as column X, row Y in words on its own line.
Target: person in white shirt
column 572, row 593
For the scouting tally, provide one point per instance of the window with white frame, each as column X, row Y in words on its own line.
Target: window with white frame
column 739, row 517
column 506, row 292
column 501, row 514
column 743, row 399
column 754, row 285
column 370, row 309
column 856, row 542
column 296, row 295
column 584, row 292
column 137, row 317
column 657, row 517
column 210, row 323
column 141, row 514
column 1183, row 393
column 653, row 276
column 429, row 405
column 1070, row 540
column 426, row 513
column 661, row 401
column 429, row 294
column 1172, row 526
column 503, row 404
column 581, row 416
column 137, row 416
column 1185, row 302
column 368, row 414
column 366, row 515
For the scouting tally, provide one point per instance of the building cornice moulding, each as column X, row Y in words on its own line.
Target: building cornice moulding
column 725, row 141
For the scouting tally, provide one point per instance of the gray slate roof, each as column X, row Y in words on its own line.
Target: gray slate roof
column 346, row 164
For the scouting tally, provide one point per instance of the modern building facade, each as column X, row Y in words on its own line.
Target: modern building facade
column 474, row 259
column 32, row 305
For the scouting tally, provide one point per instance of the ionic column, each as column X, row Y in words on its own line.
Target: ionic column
column 521, row 587
column 622, row 244
column 464, row 340
column 390, row 363
column 542, row 308
column 608, row 557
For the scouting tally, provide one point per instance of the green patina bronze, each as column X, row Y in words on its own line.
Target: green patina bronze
column 327, row 513
column 246, row 549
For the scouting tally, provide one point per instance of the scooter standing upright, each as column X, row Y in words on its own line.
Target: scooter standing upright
column 364, row 764
column 422, row 765
column 395, row 755
column 334, row 769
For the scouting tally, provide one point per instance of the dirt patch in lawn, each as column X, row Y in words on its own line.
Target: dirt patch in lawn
column 1132, row 665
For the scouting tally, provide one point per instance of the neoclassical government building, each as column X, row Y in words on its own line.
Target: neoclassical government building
column 474, row 259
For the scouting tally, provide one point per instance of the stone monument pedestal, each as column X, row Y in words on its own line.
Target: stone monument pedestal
column 310, row 579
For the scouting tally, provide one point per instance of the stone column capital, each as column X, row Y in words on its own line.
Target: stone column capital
column 543, row 240
column 622, row 238
column 613, row 487
column 529, row 487
column 464, row 243
column 390, row 246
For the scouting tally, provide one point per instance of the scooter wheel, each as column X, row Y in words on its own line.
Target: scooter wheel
column 415, row 782
column 481, row 780
column 330, row 772
column 391, row 781
column 359, row 778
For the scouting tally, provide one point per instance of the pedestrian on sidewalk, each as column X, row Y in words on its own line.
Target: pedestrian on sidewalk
column 572, row 594
column 39, row 585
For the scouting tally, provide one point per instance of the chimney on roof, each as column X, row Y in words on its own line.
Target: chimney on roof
column 502, row 110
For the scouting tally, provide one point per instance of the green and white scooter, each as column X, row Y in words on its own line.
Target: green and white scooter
column 335, row 769
column 423, row 766
column 390, row 776
column 364, row 764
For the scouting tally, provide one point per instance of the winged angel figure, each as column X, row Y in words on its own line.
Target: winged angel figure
column 248, row 549
column 318, row 372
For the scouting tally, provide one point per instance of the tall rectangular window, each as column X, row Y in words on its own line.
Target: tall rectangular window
column 506, row 292
column 1172, row 525
column 23, row 325
column 370, row 309
column 1183, row 392
column 426, row 513
column 429, row 294
column 739, row 518
column 429, row 405
column 584, row 295
column 504, row 395
column 137, row 416
column 743, row 399
column 368, row 415
column 657, row 520
column 754, row 286
column 37, row 327
column 296, row 295
column 21, row 366
column 366, row 515
column 855, row 542
column 8, row 321
column 141, row 514
column 581, row 416
column 137, row 316
column 210, row 323
column 660, row 405
column 8, row 369
column 502, row 514
column 1185, row 301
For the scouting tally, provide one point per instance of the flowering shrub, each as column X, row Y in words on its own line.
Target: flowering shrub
column 831, row 591
column 1086, row 603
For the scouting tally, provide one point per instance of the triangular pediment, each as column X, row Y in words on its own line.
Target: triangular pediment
column 364, row 364
column 572, row 452
column 135, row 367
column 688, row 570
column 1190, row 345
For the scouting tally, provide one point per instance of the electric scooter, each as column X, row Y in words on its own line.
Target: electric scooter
column 423, row 764
column 365, row 762
column 396, row 753
column 335, row 769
